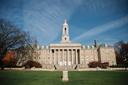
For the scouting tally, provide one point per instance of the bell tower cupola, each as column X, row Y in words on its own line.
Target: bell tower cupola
column 65, row 33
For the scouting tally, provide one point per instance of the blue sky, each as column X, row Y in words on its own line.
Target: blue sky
column 103, row 20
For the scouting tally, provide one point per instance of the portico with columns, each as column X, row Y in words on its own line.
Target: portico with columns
column 65, row 55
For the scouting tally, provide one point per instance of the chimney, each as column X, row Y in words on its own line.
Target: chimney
column 95, row 43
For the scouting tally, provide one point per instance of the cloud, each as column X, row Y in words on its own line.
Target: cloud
column 103, row 28
column 44, row 19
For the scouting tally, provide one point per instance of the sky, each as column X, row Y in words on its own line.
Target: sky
column 103, row 20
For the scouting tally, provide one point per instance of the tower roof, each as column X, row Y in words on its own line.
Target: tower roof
column 65, row 22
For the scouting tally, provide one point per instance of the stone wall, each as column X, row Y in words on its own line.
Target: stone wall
column 88, row 55
column 44, row 57
column 107, row 54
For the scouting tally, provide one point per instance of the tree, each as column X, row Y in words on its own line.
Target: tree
column 11, row 38
column 122, row 53
column 9, row 59
column 9, row 56
column 26, row 53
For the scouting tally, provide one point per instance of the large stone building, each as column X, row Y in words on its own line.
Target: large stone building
column 73, row 55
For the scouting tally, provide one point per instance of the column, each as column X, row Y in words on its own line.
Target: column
column 68, row 56
column 66, row 59
column 51, row 56
column 72, row 56
column 59, row 56
column 76, row 56
column 54, row 57
column 63, row 56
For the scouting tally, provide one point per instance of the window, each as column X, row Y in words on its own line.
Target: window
column 65, row 30
column 65, row 38
column 52, row 51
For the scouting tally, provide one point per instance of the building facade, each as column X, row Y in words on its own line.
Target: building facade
column 73, row 55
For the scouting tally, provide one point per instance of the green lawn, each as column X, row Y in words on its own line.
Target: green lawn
column 54, row 78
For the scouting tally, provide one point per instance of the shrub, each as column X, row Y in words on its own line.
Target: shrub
column 104, row 65
column 118, row 66
column 30, row 64
column 95, row 64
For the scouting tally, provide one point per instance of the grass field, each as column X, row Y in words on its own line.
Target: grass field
column 54, row 78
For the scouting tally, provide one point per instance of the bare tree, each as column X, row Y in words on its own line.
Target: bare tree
column 26, row 53
column 11, row 37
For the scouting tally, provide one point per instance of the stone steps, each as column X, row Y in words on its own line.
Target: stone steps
column 71, row 67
